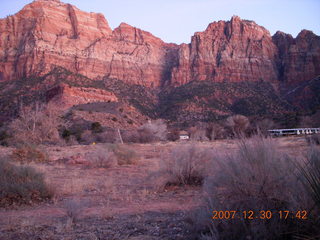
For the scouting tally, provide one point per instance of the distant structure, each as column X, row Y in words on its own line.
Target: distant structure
column 293, row 131
column 183, row 135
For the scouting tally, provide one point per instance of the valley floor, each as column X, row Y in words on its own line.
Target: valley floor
column 121, row 202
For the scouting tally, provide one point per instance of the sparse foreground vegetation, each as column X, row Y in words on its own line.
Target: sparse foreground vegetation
column 185, row 165
column 21, row 185
column 254, row 181
column 170, row 190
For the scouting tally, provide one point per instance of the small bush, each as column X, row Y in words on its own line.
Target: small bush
column 29, row 153
column 238, row 124
column 311, row 173
column 153, row 131
column 264, row 125
column 4, row 136
column 313, row 139
column 38, row 124
column 87, row 137
column 21, row 185
column 109, row 136
column 102, row 158
column 198, row 133
column 174, row 134
column 256, row 177
column 66, row 134
column 96, row 127
column 186, row 165
column 124, row 155
column 131, row 136
column 73, row 210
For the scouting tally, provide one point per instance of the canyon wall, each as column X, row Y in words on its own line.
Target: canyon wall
column 49, row 33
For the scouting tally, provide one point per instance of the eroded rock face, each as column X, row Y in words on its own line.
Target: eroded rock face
column 68, row 96
column 232, row 51
column 48, row 33
column 299, row 58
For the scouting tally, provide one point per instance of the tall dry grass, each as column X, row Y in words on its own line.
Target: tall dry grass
column 255, row 177
column 185, row 164
column 21, row 185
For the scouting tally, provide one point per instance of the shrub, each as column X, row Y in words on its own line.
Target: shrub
column 87, row 137
column 131, row 136
column 66, row 134
column 256, row 177
column 37, row 124
column 96, row 127
column 153, row 131
column 109, row 136
column 174, row 134
column 21, row 185
column 73, row 210
column 311, row 173
column 144, row 135
column 102, row 158
column 217, row 131
column 124, row 155
column 238, row 124
column 313, row 139
column 264, row 125
column 29, row 153
column 185, row 165
column 4, row 137
column 198, row 133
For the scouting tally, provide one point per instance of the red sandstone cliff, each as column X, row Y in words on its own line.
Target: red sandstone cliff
column 241, row 50
column 299, row 58
column 49, row 33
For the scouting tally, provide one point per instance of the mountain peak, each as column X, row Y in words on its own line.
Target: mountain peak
column 46, row 0
column 236, row 18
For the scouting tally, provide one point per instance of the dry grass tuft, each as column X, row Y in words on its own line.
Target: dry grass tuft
column 185, row 165
column 254, row 178
column 73, row 209
column 124, row 155
column 29, row 153
column 313, row 139
column 21, row 185
column 102, row 158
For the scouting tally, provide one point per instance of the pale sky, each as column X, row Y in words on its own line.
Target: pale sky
column 177, row 20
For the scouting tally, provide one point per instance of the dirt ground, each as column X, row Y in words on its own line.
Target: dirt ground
column 117, row 203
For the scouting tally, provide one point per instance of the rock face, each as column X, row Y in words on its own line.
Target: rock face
column 298, row 59
column 240, row 50
column 68, row 96
column 49, row 33
column 228, row 51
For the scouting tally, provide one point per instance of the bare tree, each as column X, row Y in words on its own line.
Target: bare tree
column 198, row 133
column 264, row 125
column 153, row 131
column 238, row 124
column 37, row 124
column 216, row 131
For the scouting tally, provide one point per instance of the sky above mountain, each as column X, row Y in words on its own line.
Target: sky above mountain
column 177, row 20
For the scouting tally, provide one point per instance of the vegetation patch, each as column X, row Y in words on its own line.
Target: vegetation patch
column 29, row 153
column 124, row 155
column 21, row 185
column 185, row 165
column 256, row 178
